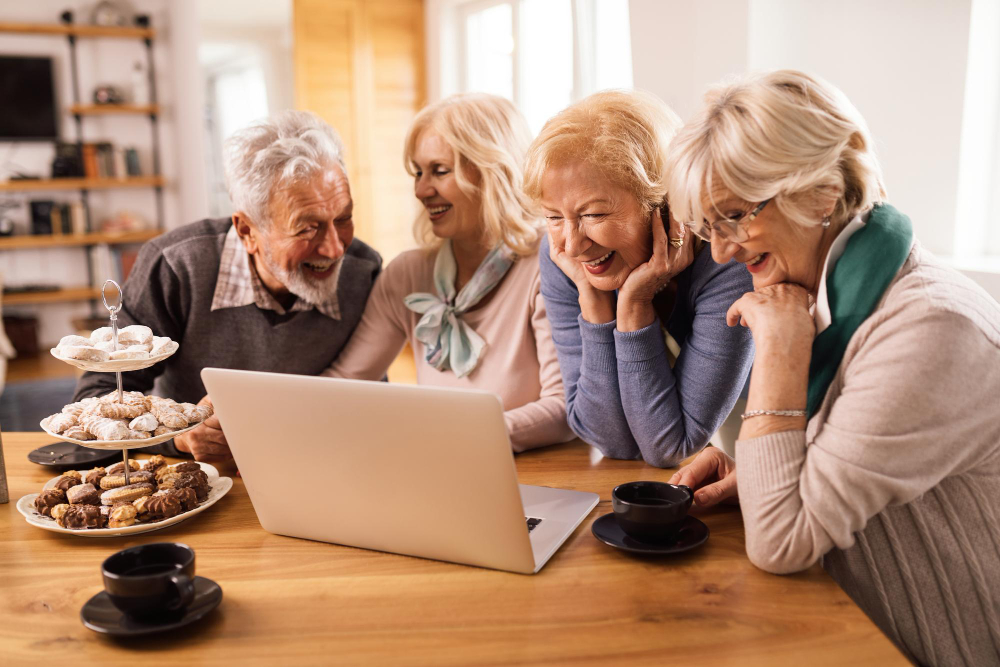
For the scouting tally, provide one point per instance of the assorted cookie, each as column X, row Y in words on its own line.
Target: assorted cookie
column 156, row 491
column 136, row 417
column 134, row 342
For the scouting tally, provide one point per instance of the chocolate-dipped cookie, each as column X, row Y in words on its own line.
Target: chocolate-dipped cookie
column 83, row 494
column 66, row 482
column 48, row 499
column 82, row 516
column 95, row 476
column 119, row 468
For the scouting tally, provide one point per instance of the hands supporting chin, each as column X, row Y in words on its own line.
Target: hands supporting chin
column 206, row 442
column 635, row 298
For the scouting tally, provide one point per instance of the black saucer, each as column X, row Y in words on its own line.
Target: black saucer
column 68, row 455
column 692, row 533
column 101, row 616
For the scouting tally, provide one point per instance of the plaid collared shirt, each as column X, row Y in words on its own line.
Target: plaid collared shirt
column 239, row 285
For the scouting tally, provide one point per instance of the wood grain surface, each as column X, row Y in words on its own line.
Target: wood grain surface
column 293, row 601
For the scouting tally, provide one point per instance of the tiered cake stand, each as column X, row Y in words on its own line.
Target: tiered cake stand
column 117, row 367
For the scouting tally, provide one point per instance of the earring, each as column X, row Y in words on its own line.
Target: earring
column 826, row 221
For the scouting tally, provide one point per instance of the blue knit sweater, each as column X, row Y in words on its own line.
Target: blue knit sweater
column 622, row 396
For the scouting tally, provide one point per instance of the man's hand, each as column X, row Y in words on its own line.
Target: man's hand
column 207, row 442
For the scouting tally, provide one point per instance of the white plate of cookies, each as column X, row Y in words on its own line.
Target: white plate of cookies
column 137, row 348
column 159, row 496
column 138, row 421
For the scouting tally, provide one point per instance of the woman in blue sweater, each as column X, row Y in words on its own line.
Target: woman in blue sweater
column 637, row 306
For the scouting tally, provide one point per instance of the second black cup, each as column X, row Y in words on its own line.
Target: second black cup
column 650, row 511
column 150, row 580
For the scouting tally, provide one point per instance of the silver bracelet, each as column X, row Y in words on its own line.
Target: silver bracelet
column 776, row 413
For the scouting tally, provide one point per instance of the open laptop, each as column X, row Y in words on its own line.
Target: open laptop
column 412, row 470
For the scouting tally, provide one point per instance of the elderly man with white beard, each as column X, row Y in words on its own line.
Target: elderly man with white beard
column 279, row 286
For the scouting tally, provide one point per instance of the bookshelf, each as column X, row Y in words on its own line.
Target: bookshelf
column 35, row 185
column 68, row 29
column 112, row 109
column 26, row 241
column 94, row 242
column 52, row 296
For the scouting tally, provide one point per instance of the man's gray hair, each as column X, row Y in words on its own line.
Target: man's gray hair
column 287, row 147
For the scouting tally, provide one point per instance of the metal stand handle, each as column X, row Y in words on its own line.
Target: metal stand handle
column 117, row 302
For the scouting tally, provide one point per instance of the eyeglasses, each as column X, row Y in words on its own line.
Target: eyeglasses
column 730, row 230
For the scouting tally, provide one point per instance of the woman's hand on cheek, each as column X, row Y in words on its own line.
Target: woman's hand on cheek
column 596, row 306
column 776, row 315
column 635, row 299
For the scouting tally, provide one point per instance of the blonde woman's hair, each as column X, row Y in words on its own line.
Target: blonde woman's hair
column 488, row 137
column 783, row 135
column 624, row 134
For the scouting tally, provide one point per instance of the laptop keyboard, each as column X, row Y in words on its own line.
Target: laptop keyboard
column 532, row 522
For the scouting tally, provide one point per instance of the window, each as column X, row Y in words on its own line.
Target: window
column 540, row 54
column 977, row 232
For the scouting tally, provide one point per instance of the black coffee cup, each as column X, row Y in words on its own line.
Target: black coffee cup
column 150, row 580
column 651, row 511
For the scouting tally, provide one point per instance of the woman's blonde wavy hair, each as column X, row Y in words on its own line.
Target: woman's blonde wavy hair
column 489, row 137
column 782, row 135
column 624, row 134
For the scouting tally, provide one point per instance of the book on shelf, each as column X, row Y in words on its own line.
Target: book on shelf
column 113, row 262
column 104, row 160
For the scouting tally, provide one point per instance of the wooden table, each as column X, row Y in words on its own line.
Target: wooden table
column 289, row 600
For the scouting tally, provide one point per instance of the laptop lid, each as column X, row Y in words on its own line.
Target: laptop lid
column 422, row 471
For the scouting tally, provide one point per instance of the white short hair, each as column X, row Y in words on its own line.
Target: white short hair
column 287, row 147
column 784, row 135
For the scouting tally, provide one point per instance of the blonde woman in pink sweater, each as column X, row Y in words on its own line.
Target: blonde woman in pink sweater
column 871, row 439
column 468, row 300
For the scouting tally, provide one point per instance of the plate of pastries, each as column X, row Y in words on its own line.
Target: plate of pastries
column 137, row 421
column 98, row 502
column 137, row 348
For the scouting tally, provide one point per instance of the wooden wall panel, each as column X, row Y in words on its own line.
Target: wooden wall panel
column 359, row 65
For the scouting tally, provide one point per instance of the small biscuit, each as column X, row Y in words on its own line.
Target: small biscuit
column 101, row 335
column 119, row 468
column 162, row 430
column 48, row 499
column 82, row 516
column 129, row 353
column 67, row 341
column 58, row 511
column 196, row 414
column 135, row 334
column 83, row 353
column 95, row 476
column 58, row 423
column 154, row 463
column 106, row 345
column 127, row 493
column 66, row 482
column 121, row 410
column 166, row 347
column 122, row 516
column 104, row 428
column 84, row 494
column 78, row 433
column 118, row 480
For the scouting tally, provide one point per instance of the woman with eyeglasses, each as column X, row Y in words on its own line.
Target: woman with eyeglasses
column 871, row 439
column 637, row 306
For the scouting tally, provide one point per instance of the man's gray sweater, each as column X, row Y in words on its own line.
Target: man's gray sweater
column 170, row 290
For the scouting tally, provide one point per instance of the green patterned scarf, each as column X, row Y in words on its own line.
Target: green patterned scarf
column 871, row 260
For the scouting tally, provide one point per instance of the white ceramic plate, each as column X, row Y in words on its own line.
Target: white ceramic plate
column 218, row 487
column 116, row 444
column 118, row 365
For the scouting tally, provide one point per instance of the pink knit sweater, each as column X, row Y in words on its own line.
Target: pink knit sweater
column 895, row 483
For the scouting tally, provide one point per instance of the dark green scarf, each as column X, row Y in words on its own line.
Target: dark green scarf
column 872, row 258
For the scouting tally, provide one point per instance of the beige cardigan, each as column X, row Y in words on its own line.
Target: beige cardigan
column 895, row 483
column 518, row 364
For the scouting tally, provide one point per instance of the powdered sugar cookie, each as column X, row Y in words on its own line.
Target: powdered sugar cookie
column 71, row 341
column 83, row 352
